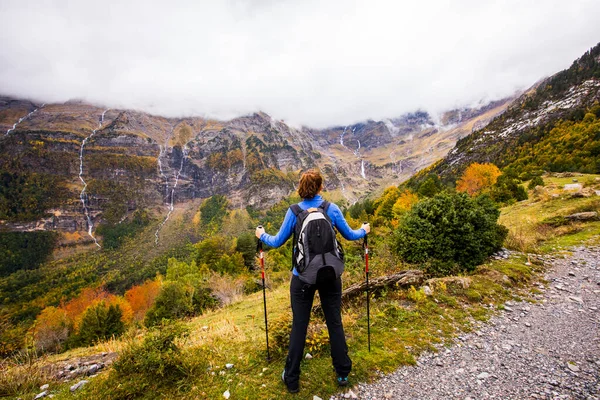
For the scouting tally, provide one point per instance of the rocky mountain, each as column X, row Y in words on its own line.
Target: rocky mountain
column 565, row 96
column 108, row 163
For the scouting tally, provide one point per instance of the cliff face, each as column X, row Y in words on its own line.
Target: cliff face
column 110, row 163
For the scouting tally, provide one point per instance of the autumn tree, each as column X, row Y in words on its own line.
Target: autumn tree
column 142, row 297
column 77, row 306
column 51, row 328
column 478, row 178
column 384, row 205
column 404, row 203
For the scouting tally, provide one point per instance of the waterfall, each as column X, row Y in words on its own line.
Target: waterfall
column 393, row 159
column 362, row 162
column 161, row 153
column 23, row 119
column 82, row 195
column 171, row 196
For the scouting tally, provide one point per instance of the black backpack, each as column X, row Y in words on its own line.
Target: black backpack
column 316, row 255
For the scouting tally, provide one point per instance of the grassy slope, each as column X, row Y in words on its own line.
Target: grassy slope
column 403, row 323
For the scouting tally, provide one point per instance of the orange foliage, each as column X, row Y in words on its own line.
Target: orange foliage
column 76, row 307
column 126, row 310
column 478, row 178
column 141, row 298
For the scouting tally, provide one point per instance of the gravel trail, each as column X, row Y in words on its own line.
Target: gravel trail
column 546, row 350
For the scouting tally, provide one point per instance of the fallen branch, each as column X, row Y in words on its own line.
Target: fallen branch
column 404, row 279
column 401, row 279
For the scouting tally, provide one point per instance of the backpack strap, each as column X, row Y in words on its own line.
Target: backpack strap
column 325, row 206
column 296, row 209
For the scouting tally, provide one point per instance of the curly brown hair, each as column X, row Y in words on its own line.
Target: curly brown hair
column 311, row 183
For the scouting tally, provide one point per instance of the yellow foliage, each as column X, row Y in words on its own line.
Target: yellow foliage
column 478, row 178
column 404, row 203
column 383, row 205
column 196, row 219
column 51, row 328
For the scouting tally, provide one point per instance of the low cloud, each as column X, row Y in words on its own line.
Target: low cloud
column 308, row 62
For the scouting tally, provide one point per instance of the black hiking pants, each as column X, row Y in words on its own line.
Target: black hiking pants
column 302, row 296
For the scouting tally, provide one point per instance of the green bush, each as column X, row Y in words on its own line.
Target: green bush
column 450, row 228
column 507, row 189
column 536, row 181
column 436, row 267
column 175, row 300
column 246, row 245
column 100, row 322
column 157, row 360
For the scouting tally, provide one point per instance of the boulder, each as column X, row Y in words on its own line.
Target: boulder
column 78, row 385
column 583, row 216
column 573, row 186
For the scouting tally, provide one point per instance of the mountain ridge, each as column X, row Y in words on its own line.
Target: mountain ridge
column 564, row 96
column 131, row 160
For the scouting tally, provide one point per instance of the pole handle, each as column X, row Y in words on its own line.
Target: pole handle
column 259, row 245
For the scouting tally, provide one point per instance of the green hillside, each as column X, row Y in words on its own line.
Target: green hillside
column 404, row 322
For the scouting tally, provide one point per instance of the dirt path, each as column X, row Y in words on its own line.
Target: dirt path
column 547, row 350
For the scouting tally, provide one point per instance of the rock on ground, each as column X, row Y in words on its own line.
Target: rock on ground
column 546, row 350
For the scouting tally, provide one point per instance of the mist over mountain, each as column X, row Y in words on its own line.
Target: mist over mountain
column 309, row 63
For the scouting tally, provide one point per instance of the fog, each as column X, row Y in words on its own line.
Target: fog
column 316, row 63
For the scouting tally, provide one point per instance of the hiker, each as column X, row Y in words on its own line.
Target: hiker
column 306, row 280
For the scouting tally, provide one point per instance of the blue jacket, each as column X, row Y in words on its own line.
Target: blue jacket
column 335, row 215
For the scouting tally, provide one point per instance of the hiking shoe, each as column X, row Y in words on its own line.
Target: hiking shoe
column 291, row 387
column 342, row 380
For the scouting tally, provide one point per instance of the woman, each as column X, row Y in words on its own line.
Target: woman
column 302, row 294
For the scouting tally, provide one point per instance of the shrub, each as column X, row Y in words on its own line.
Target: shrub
column 507, row 189
column 246, row 245
column 22, row 373
column 450, row 228
column 226, row 289
column 435, row 267
column 430, row 186
column 536, row 181
column 173, row 301
column 279, row 332
column 100, row 322
column 157, row 359
column 406, row 200
column 384, row 204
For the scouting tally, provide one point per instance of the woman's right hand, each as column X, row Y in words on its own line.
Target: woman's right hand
column 259, row 231
column 366, row 227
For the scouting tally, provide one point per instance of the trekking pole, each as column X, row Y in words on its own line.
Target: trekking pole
column 366, row 246
column 259, row 250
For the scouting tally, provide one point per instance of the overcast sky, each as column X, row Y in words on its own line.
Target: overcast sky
column 317, row 63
